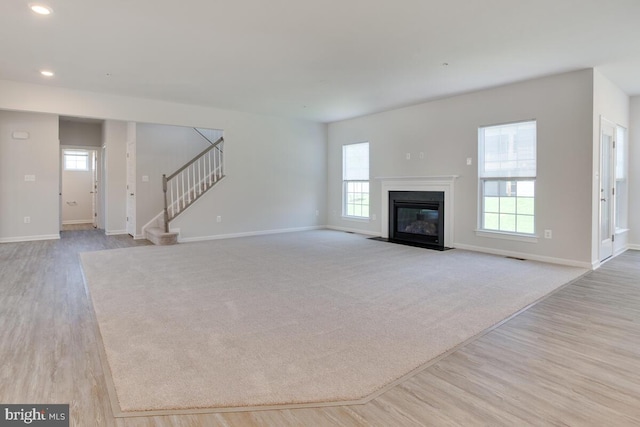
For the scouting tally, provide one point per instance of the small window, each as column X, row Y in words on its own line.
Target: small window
column 75, row 160
column 621, row 178
column 355, row 178
column 507, row 175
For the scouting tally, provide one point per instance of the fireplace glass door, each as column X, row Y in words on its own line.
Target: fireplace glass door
column 417, row 217
column 420, row 220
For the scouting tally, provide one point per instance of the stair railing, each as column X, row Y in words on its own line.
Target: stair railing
column 209, row 135
column 186, row 185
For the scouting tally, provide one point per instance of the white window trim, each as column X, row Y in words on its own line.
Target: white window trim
column 621, row 198
column 344, row 214
column 481, row 182
column 504, row 235
column 500, row 234
column 356, row 218
column 344, row 199
column 76, row 152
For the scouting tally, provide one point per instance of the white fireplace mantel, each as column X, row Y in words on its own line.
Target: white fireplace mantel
column 443, row 183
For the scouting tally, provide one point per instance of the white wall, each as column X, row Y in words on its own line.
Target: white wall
column 446, row 132
column 114, row 139
column 276, row 167
column 611, row 103
column 160, row 149
column 276, row 180
column 39, row 155
column 634, row 172
column 77, row 198
column 80, row 133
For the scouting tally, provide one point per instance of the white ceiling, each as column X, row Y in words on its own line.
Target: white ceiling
column 323, row 60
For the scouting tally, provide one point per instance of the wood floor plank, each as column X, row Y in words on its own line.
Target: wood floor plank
column 573, row 359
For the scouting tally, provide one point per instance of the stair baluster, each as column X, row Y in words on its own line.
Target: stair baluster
column 186, row 185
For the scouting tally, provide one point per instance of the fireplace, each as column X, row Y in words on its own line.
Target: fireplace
column 417, row 218
column 442, row 184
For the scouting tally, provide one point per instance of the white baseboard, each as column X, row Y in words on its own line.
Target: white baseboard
column 634, row 247
column 551, row 260
column 597, row 264
column 248, row 234
column 115, row 232
column 354, row 230
column 620, row 250
column 29, row 238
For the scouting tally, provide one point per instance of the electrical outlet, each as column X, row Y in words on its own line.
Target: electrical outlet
column 27, row 220
column 469, row 161
column 408, row 156
column 219, row 218
column 548, row 234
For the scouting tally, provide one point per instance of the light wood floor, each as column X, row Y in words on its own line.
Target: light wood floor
column 572, row 359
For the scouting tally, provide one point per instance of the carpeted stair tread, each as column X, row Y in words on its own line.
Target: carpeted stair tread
column 158, row 236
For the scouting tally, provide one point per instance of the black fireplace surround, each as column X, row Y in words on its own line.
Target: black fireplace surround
column 417, row 218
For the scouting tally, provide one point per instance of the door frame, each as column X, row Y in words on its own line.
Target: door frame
column 131, row 179
column 606, row 190
column 97, row 206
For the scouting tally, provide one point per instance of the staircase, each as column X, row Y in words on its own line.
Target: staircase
column 157, row 236
column 185, row 186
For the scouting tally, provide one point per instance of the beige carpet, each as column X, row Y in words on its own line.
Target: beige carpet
column 304, row 318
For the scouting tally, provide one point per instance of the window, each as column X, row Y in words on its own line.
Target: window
column 507, row 175
column 621, row 178
column 355, row 179
column 75, row 160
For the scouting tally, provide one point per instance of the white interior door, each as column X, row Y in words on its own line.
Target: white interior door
column 607, row 183
column 131, row 186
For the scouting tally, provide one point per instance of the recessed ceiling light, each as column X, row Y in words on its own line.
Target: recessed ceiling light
column 40, row 9
column 47, row 73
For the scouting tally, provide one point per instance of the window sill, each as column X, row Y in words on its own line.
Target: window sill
column 356, row 218
column 621, row 230
column 507, row 236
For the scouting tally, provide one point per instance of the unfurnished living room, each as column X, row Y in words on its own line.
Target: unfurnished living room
column 334, row 214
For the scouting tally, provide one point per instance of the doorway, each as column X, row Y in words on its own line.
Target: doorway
column 607, row 189
column 81, row 170
column 79, row 186
column 131, row 179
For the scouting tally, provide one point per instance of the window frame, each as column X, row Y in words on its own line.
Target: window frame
column 507, row 177
column 621, row 179
column 77, row 154
column 356, row 185
column 501, row 214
